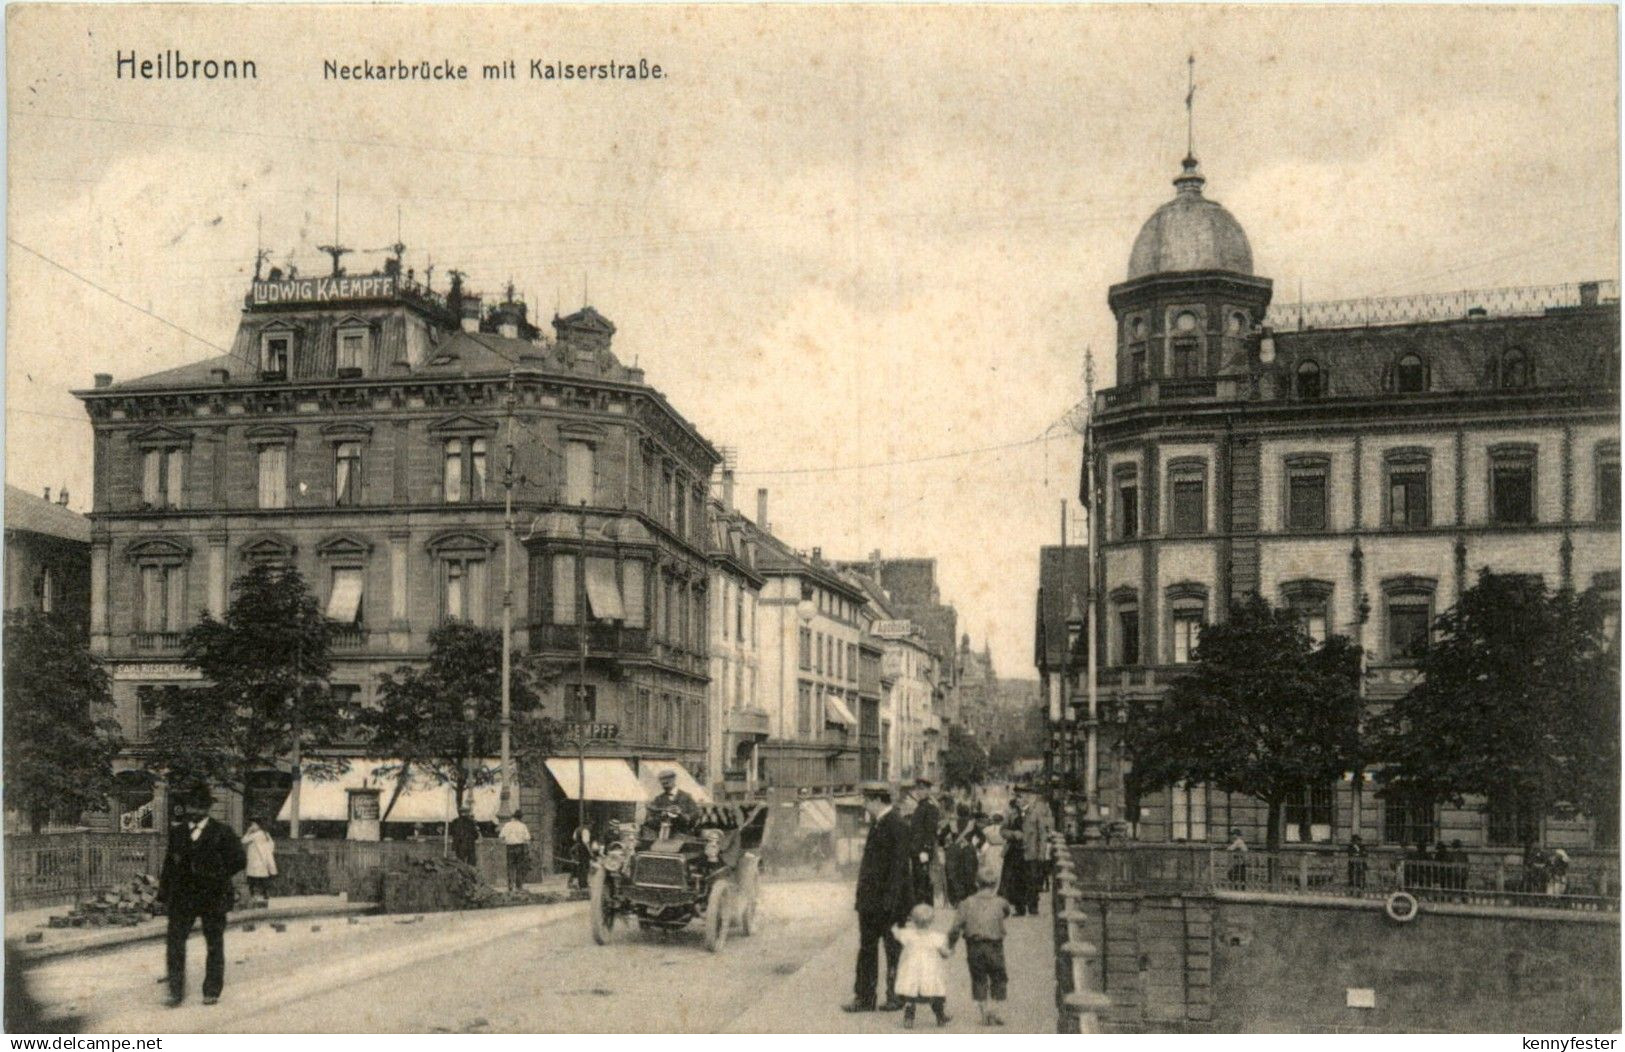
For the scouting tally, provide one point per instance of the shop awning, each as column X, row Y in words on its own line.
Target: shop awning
column 649, row 775
column 817, row 816
column 608, row 780
column 421, row 800
column 837, row 712
column 602, row 592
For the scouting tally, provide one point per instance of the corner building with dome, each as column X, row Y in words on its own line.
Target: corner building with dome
column 1358, row 462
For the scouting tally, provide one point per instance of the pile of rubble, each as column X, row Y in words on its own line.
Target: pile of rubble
column 121, row 907
column 428, row 884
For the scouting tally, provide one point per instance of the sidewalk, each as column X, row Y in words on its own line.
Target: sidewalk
column 809, row 1001
column 58, row 942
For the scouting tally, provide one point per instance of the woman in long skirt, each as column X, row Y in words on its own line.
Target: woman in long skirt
column 1013, row 878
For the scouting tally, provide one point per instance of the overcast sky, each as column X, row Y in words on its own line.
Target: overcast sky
column 833, row 237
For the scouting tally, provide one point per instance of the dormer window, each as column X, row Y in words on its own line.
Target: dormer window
column 275, row 350
column 353, row 339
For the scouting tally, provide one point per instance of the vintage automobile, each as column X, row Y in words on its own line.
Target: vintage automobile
column 662, row 875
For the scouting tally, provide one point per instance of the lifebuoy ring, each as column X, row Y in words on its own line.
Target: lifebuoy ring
column 1402, row 907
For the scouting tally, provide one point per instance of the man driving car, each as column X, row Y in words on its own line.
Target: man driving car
column 671, row 803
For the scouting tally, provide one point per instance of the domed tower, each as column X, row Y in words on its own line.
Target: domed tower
column 1191, row 296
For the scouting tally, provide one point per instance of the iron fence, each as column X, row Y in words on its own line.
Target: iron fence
column 50, row 869
column 1514, row 301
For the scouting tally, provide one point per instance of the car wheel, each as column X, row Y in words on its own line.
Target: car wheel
column 716, row 916
column 599, row 907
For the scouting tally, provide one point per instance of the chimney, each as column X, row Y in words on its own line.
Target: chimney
column 220, row 376
column 47, row 494
column 471, row 313
column 761, row 510
column 62, row 496
column 728, row 488
column 104, row 379
column 509, row 327
column 818, row 555
column 1588, row 293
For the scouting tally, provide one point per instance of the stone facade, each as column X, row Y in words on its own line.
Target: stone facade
column 1362, row 475
column 362, row 441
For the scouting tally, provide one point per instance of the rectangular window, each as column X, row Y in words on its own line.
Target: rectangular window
column 347, row 473
column 476, row 469
column 1308, row 817
column 666, row 714
column 805, row 656
column 1187, row 812
column 153, row 606
column 273, row 476
column 1511, row 825
column 603, row 596
column 580, row 703
column 564, row 589
column 352, row 345
column 679, row 504
column 1311, row 614
column 1407, row 820
column 1136, row 365
column 1186, row 359
column 739, row 612
column 1189, row 504
column 275, row 356
column 1512, row 488
column 465, row 590
column 634, row 597
column 451, row 478
column 1408, row 496
column 1608, row 486
column 804, row 716
column 152, row 477
column 1187, row 629
column 174, row 476
column 578, row 473
column 1408, row 621
column 344, row 598
column 1128, row 510
column 1128, row 631
column 851, row 662
column 1306, row 500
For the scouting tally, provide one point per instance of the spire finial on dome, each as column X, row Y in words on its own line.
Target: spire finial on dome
column 1191, row 180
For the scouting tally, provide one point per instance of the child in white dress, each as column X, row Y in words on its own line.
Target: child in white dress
column 919, row 971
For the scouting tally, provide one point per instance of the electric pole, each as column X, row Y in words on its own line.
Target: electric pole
column 505, row 798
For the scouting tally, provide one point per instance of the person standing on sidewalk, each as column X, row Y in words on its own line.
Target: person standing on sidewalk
column 465, row 833
column 923, row 841
column 885, row 894
column 260, row 850
column 1036, row 830
column 195, row 884
column 515, row 836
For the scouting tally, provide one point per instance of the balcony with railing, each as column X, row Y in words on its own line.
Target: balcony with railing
column 603, row 637
column 157, row 642
column 348, row 637
column 1509, row 302
column 1180, row 389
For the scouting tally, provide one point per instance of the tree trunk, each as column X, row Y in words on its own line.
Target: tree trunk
column 36, row 819
column 1272, row 836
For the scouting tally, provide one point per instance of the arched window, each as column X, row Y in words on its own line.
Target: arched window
column 1514, row 369
column 1309, row 380
column 1411, row 375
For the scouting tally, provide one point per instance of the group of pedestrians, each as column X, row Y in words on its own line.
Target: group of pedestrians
column 922, row 855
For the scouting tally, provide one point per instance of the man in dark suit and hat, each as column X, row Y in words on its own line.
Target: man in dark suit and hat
column 195, row 884
column 923, row 828
column 885, row 894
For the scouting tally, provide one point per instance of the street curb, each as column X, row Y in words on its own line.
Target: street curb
column 112, row 939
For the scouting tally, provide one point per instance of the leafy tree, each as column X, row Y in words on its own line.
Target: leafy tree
column 265, row 695
column 1518, row 701
column 964, row 762
column 60, row 736
column 1262, row 711
column 420, row 717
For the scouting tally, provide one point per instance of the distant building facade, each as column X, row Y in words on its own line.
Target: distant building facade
column 47, row 556
column 1358, row 463
column 738, row 722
